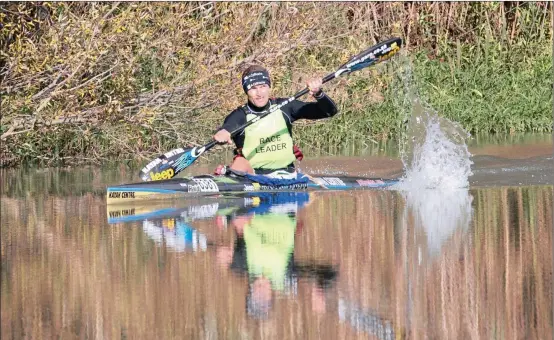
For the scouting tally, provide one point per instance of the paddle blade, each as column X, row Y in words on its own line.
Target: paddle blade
column 170, row 164
column 372, row 55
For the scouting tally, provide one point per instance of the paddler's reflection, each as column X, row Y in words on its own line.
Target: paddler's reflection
column 263, row 250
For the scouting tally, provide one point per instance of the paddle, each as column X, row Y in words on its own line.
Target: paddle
column 176, row 160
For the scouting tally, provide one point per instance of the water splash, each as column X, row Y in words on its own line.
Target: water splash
column 434, row 154
column 433, row 148
column 437, row 165
column 435, row 185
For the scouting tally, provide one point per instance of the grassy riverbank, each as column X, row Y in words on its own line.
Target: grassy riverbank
column 90, row 83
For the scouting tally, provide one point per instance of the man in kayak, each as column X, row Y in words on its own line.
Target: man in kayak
column 266, row 147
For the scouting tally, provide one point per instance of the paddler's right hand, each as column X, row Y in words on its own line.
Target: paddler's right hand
column 223, row 136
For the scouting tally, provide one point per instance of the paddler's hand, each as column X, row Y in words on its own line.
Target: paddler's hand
column 223, row 136
column 314, row 85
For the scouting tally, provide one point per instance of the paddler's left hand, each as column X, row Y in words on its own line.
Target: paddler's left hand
column 314, row 85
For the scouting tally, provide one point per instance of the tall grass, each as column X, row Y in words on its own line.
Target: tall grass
column 91, row 82
column 505, row 92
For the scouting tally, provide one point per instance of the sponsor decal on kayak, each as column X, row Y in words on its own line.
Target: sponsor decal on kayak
column 203, row 185
column 369, row 182
column 122, row 194
column 329, row 181
column 252, row 187
column 258, row 187
column 283, row 187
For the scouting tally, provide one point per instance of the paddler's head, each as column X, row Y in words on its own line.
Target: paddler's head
column 257, row 85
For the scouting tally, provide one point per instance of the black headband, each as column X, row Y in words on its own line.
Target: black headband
column 255, row 78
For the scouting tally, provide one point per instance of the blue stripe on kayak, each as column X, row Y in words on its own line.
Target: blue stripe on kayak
column 314, row 185
column 140, row 217
column 162, row 191
column 345, row 187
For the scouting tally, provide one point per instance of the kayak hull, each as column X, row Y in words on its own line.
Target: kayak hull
column 213, row 185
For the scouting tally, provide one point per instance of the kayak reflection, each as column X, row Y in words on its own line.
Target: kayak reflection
column 265, row 226
column 264, row 251
column 168, row 224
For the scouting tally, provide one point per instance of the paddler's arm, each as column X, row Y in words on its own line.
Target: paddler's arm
column 324, row 107
column 231, row 122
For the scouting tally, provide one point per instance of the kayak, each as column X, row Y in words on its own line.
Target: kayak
column 213, row 185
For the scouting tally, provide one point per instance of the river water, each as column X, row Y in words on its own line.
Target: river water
column 469, row 263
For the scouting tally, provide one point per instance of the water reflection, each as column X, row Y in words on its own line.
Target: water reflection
column 265, row 226
column 439, row 213
column 366, row 321
column 379, row 264
column 170, row 226
column 263, row 251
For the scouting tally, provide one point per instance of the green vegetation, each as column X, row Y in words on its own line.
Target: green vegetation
column 509, row 91
column 93, row 82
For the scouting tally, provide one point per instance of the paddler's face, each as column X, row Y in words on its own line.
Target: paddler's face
column 259, row 95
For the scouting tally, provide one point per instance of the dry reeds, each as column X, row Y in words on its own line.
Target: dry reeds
column 86, row 83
